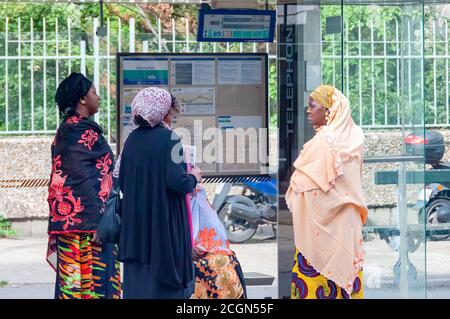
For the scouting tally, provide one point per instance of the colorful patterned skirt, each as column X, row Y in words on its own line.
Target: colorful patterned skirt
column 86, row 270
column 219, row 276
column 307, row 283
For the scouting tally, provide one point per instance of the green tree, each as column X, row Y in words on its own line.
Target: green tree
column 117, row 16
column 380, row 22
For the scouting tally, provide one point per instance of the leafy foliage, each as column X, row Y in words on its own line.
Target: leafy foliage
column 374, row 86
column 371, row 82
column 6, row 230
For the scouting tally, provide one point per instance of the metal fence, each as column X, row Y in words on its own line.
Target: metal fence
column 378, row 105
column 21, row 112
column 34, row 61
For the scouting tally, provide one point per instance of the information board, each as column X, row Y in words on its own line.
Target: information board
column 225, row 25
column 223, row 102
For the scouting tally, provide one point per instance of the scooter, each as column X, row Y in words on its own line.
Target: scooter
column 243, row 213
column 433, row 202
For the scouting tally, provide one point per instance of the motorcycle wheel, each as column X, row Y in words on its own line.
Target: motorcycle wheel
column 238, row 230
column 432, row 207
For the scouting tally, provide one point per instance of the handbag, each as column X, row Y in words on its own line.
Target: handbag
column 108, row 230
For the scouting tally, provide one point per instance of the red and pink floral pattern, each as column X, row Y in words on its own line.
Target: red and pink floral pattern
column 74, row 119
column 88, row 138
column 63, row 204
column 106, row 182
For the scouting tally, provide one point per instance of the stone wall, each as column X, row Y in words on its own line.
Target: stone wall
column 26, row 158
column 30, row 158
column 387, row 143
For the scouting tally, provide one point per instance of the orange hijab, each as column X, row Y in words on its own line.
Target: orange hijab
column 325, row 194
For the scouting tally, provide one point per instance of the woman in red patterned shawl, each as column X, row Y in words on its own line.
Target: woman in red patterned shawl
column 80, row 183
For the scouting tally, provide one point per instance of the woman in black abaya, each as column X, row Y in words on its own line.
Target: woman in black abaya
column 155, row 244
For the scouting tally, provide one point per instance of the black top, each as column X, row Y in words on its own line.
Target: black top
column 154, row 223
column 81, row 177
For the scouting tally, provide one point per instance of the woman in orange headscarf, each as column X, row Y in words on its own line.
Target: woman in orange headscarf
column 326, row 199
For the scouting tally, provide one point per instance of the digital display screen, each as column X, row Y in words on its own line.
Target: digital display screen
column 225, row 25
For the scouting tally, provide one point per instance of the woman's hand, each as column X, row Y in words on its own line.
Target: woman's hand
column 197, row 173
column 96, row 240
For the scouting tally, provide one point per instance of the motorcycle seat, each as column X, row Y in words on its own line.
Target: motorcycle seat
column 442, row 165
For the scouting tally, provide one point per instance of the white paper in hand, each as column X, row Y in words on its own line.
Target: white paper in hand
column 189, row 155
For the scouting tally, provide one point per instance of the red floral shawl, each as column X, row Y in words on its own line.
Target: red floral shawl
column 81, row 178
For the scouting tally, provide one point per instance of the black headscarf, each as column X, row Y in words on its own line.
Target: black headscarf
column 70, row 91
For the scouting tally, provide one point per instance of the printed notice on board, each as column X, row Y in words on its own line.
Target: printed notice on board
column 240, row 72
column 126, row 120
column 187, row 72
column 145, row 72
column 229, row 72
column 128, row 96
column 251, row 72
column 128, row 126
column 195, row 100
column 241, row 155
column 190, row 130
column 245, row 122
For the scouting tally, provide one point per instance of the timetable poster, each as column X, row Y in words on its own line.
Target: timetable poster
column 220, row 95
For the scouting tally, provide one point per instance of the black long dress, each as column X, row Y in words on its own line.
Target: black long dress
column 155, row 244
